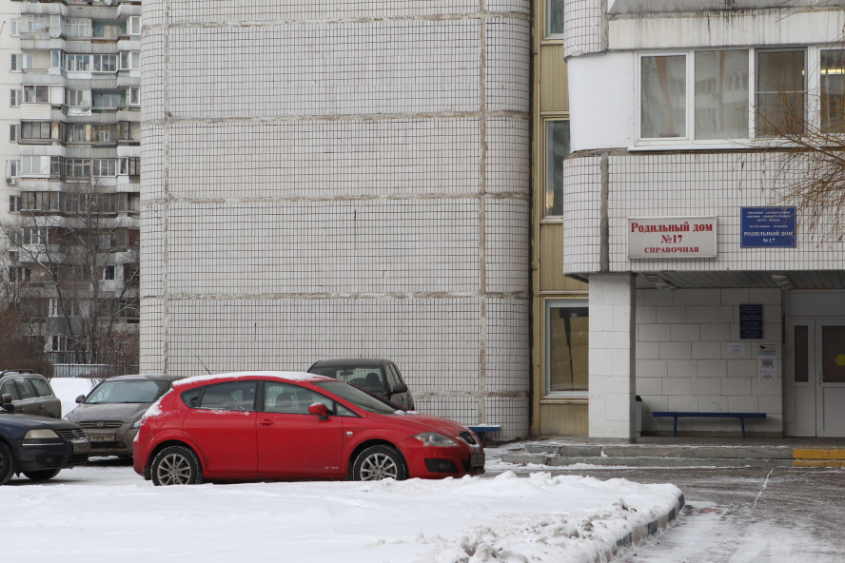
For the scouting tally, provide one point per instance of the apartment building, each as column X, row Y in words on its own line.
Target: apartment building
column 72, row 91
column 708, row 291
column 341, row 179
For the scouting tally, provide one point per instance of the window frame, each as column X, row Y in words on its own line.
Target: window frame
column 547, row 145
column 548, row 305
column 15, row 97
column 548, row 31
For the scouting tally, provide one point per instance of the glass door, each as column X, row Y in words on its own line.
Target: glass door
column 800, row 385
column 830, row 378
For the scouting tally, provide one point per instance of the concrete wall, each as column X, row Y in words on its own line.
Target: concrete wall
column 327, row 179
column 683, row 365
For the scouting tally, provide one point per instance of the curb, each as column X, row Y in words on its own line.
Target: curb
column 641, row 533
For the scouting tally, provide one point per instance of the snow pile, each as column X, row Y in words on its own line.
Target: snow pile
column 471, row 520
column 67, row 389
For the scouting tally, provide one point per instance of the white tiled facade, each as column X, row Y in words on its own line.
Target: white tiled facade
column 327, row 179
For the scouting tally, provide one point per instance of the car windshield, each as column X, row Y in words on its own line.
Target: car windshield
column 370, row 378
column 357, row 397
column 137, row 391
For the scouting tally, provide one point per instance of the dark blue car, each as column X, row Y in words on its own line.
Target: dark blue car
column 37, row 446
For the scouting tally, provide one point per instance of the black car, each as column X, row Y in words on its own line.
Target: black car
column 31, row 393
column 37, row 446
column 377, row 376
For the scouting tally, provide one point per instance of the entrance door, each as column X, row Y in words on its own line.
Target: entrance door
column 816, row 383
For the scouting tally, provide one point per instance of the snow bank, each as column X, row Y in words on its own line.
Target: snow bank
column 67, row 389
column 564, row 519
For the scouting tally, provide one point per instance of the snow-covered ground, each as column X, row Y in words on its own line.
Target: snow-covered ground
column 96, row 514
column 67, row 389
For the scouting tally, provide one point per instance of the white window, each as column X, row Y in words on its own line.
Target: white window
column 35, row 165
column 78, row 27
column 76, row 98
column 21, row 62
column 34, row 235
column 130, row 166
column 77, row 168
column 833, row 91
column 554, row 18
column 134, row 25
column 694, row 96
column 60, row 343
column 14, row 168
column 15, row 27
column 78, row 63
column 109, row 101
column 567, row 347
column 14, row 203
column 557, row 148
column 130, row 60
column 15, row 97
column 134, row 96
column 781, row 92
column 57, row 59
column 105, row 63
column 103, row 167
column 76, row 132
column 36, row 94
column 14, row 133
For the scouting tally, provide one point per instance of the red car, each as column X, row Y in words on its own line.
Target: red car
column 277, row 425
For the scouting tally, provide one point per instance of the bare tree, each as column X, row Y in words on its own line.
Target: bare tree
column 80, row 247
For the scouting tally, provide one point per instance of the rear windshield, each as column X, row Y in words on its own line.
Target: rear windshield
column 139, row 391
column 357, row 397
column 369, row 378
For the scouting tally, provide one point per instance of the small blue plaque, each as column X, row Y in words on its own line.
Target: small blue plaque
column 751, row 321
column 768, row 227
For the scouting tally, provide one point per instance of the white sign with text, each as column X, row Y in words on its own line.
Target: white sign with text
column 671, row 237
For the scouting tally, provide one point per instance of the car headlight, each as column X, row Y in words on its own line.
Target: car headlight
column 41, row 434
column 435, row 439
column 136, row 424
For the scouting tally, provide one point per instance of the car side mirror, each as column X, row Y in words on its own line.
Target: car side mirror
column 7, row 403
column 400, row 388
column 320, row 410
column 80, row 398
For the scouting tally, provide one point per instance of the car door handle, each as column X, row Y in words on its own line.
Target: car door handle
column 41, row 407
column 266, row 423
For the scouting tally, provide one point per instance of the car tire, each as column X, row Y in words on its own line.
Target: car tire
column 176, row 465
column 379, row 462
column 7, row 463
column 42, row 475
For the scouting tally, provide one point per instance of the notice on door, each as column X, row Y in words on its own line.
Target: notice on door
column 767, row 361
column 655, row 238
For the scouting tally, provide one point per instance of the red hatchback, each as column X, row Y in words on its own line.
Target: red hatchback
column 277, row 425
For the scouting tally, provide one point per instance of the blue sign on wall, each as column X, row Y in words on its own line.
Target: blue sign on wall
column 751, row 321
column 768, row 227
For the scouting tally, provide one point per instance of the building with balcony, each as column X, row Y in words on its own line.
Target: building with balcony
column 709, row 291
column 72, row 160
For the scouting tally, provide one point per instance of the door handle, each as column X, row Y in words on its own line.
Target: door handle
column 41, row 407
column 266, row 423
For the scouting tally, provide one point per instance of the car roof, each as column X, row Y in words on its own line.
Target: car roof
column 351, row 362
column 148, row 376
column 282, row 375
column 4, row 373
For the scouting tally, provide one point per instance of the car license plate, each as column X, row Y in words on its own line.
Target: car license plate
column 476, row 459
column 101, row 437
column 81, row 447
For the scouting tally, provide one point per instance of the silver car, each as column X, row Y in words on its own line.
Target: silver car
column 111, row 414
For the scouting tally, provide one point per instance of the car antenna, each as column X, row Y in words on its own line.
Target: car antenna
column 203, row 365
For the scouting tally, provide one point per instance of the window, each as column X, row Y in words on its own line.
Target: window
column 15, row 97
column 78, row 27
column 14, row 203
column 76, row 98
column 291, row 399
column 134, row 96
column 124, row 131
column 37, row 130
column 41, row 387
column 557, row 148
column 105, row 63
column 554, row 17
column 15, row 168
column 33, row 235
column 104, row 134
column 25, row 387
column 19, row 274
column 663, row 96
column 108, row 273
column 41, row 201
column 833, row 91
column 134, row 25
column 109, row 31
column 567, row 343
column 103, row 167
column 233, row 396
column 370, row 378
column 78, row 168
column 130, row 166
column 15, row 30
column 78, row 63
column 8, row 388
column 721, row 94
column 59, row 343
column 76, row 133
column 35, row 165
column 108, row 101
column 14, row 133
column 36, row 94
column 21, row 62
column 781, row 92
column 130, row 60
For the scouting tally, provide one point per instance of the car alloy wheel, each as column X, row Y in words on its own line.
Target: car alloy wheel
column 379, row 462
column 7, row 464
column 176, row 465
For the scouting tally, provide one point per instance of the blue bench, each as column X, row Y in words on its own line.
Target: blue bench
column 482, row 429
column 740, row 415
